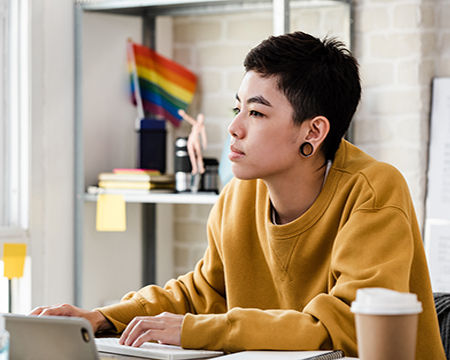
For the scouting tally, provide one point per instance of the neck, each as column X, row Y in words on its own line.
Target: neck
column 294, row 193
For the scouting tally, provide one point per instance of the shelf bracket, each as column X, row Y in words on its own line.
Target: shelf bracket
column 281, row 19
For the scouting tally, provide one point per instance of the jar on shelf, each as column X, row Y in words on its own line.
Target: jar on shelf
column 210, row 178
column 182, row 166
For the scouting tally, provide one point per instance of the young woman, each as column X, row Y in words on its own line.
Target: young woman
column 307, row 220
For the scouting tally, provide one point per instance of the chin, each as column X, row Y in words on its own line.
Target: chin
column 243, row 173
column 243, row 177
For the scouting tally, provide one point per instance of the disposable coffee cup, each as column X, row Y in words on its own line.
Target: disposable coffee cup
column 386, row 324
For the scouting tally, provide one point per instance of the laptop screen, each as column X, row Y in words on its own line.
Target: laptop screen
column 50, row 338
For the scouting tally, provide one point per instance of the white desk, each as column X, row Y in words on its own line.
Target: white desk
column 107, row 356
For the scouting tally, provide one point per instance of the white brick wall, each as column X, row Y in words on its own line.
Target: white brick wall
column 394, row 43
column 442, row 15
column 401, row 45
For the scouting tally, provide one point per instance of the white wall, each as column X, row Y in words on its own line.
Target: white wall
column 442, row 50
column 401, row 46
column 394, row 44
column 51, row 224
column 111, row 263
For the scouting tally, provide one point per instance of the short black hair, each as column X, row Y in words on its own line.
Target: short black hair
column 318, row 77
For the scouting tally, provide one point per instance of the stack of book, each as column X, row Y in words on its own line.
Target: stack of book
column 134, row 181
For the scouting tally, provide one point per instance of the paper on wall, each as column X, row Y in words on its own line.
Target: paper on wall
column 14, row 259
column 111, row 213
column 438, row 198
column 437, row 234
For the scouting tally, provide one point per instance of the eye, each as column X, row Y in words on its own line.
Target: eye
column 236, row 111
column 256, row 113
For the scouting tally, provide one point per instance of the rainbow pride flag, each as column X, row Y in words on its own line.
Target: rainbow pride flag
column 164, row 85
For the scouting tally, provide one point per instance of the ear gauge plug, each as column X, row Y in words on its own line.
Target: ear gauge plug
column 306, row 149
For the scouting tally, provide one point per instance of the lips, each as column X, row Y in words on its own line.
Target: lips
column 236, row 150
column 235, row 153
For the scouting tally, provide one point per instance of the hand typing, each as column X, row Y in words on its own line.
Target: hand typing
column 96, row 318
column 164, row 328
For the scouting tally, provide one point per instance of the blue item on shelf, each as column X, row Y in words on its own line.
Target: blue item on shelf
column 152, row 145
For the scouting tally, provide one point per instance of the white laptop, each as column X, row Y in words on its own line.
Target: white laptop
column 70, row 338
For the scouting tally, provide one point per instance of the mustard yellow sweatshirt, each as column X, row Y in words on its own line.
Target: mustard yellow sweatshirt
column 290, row 287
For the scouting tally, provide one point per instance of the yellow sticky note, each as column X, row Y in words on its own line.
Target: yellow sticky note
column 14, row 260
column 111, row 213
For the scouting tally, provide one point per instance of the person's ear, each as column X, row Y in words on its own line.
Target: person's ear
column 317, row 130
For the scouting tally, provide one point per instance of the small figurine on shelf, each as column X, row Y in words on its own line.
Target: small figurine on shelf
column 194, row 143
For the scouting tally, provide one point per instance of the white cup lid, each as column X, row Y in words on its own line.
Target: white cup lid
column 380, row 301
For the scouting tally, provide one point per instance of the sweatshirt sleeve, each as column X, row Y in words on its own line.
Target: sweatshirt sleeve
column 200, row 291
column 374, row 248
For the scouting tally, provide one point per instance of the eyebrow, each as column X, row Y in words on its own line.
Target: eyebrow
column 256, row 99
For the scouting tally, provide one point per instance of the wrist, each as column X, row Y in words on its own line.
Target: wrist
column 99, row 321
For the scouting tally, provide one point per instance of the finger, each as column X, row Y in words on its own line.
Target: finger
column 166, row 336
column 186, row 117
column 58, row 310
column 149, row 335
column 140, row 326
column 50, row 312
column 38, row 310
column 135, row 332
column 170, row 332
column 127, row 331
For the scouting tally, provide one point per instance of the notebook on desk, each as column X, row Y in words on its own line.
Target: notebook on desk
column 285, row 355
column 70, row 338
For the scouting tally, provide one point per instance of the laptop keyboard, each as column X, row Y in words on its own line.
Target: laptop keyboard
column 152, row 350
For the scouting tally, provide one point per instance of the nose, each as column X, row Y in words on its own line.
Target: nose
column 236, row 128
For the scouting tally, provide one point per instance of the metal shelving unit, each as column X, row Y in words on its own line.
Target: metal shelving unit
column 181, row 198
column 148, row 10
